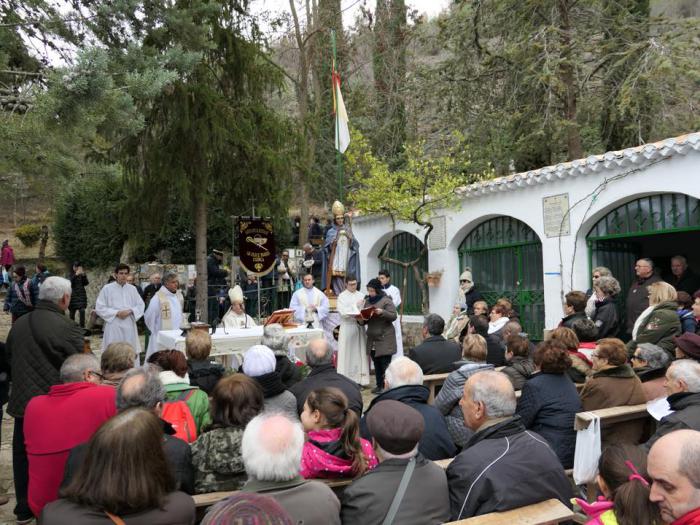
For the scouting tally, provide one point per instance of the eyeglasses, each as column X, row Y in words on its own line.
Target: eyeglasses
column 463, row 281
column 636, row 357
column 96, row 374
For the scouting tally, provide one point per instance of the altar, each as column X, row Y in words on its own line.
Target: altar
column 233, row 343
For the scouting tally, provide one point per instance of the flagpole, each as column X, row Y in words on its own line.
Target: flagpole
column 338, row 155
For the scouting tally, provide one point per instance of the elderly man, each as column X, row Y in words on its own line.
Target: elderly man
column 638, row 294
column 236, row 317
column 404, row 382
column 674, row 468
column 396, row 429
column 319, row 357
column 164, row 312
column 37, row 346
column 56, row 422
column 683, row 390
column 313, row 261
column 120, row 305
column 271, row 450
column 286, row 274
column 154, row 284
column 504, row 465
column 683, row 279
column 352, row 340
column 141, row 387
column 310, row 304
column 276, row 339
column 435, row 355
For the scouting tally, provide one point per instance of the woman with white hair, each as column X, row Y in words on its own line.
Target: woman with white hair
column 604, row 313
column 650, row 362
column 277, row 340
column 259, row 363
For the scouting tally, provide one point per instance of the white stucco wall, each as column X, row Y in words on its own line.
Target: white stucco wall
column 677, row 173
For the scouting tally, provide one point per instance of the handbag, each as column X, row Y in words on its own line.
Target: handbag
column 587, row 452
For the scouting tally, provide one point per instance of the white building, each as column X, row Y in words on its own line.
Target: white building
column 610, row 209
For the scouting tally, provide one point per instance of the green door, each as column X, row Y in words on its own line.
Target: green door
column 505, row 256
column 406, row 247
column 615, row 240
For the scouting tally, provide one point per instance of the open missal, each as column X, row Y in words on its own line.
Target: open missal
column 366, row 313
column 284, row 317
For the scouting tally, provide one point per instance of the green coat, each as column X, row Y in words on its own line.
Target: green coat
column 659, row 328
column 198, row 403
column 217, row 460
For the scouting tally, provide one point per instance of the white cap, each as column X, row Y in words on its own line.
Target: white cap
column 258, row 360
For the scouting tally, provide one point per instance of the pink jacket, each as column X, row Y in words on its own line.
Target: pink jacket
column 330, row 463
column 53, row 424
column 7, row 256
column 600, row 512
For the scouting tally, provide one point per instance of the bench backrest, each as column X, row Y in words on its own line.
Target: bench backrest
column 611, row 416
column 547, row 512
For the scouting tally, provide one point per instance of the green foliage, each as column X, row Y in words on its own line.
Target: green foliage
column 29, row 234
column 87, row 218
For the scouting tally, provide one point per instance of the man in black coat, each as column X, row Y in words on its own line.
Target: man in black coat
column 435, row 355
column 404, row 382
column 495, row 351
column 142, row 388
column 503, row 466
column 319, row 356
column 638, row 294
column 36, row 346
column 683, row 279
column 683, row 389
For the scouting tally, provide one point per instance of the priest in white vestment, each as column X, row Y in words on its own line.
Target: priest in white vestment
column 236, row 317
column 309, row 303
column 352, row 340
column 393, row 292
column 120, row 306
column 164, row 311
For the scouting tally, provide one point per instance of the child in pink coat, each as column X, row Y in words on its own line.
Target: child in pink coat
column 623, row 480
column 334, row 448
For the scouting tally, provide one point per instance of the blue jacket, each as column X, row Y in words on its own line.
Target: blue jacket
column 548, row 405
column 12, row 301
column 436, row 442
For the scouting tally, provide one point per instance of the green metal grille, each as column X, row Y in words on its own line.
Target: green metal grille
column 505, row 256
column 406, row 247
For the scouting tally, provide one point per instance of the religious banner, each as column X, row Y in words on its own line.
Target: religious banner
column 256, row 245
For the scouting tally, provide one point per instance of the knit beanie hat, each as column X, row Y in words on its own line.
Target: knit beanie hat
column 247, row 508
column 258, row 360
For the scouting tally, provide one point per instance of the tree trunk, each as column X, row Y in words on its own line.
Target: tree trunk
column 43, row 241
column 200, row 228
column 568, row 80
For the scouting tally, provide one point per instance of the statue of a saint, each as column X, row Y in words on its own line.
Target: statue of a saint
column 340, row 253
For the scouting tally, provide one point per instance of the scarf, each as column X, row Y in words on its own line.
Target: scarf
column 376, row 298
column 497, row 324
column 641, row 320
column 271, row 384
column 23, row 293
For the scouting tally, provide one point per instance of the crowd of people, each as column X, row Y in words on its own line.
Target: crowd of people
column 115, row 440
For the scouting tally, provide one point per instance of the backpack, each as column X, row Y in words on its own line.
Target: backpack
column 178, row 414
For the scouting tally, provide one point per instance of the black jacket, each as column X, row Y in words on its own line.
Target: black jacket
column 290, row 374
column 495, row 350
column 638, row 299
column 436, row 442
column 688, row 282
column 548, row 405
column 204, row 374
column 36, row 346
column 78, row 296
column 605, row 318
column 149, row 292
column 327, row 376
column 216, row 276
column 436, row 355
column 569, row 320
column 503, row 467
column 470, row 298
column 519, row 370
column 4, row 376
column 686, row 415
column 177, row 453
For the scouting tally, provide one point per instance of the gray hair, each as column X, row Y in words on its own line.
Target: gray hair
column 648, row 261
column 488, row 387
column 689, row 462
column 54, row 288
column 688, row 371
column 307, row 245
column 275, row 338
column 76, row 365
column 602, row 270
column 655, row 356
column 680, row 258
column 271, row 447
column 169, row 276
column 314, row 358
column 608, row 285
column 140, row 387
column 403, row 371
column 434, row 323
column 511, row 328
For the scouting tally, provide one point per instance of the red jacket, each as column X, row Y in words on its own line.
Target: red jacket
column 53, row 424
column 692, row 518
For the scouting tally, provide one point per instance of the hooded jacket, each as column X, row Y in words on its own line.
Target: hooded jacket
column 659, row 328
column 503, row 467
column 447, row 400
column 548, row 405
column 323, row 455
column 436, row 442
column 601, row 512
column 686, row 415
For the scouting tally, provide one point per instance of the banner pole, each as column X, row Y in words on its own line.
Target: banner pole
column 338, row 155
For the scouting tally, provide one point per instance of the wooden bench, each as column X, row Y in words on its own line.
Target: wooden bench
column 548, row 512
column 431, row 381
column 611, row 416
